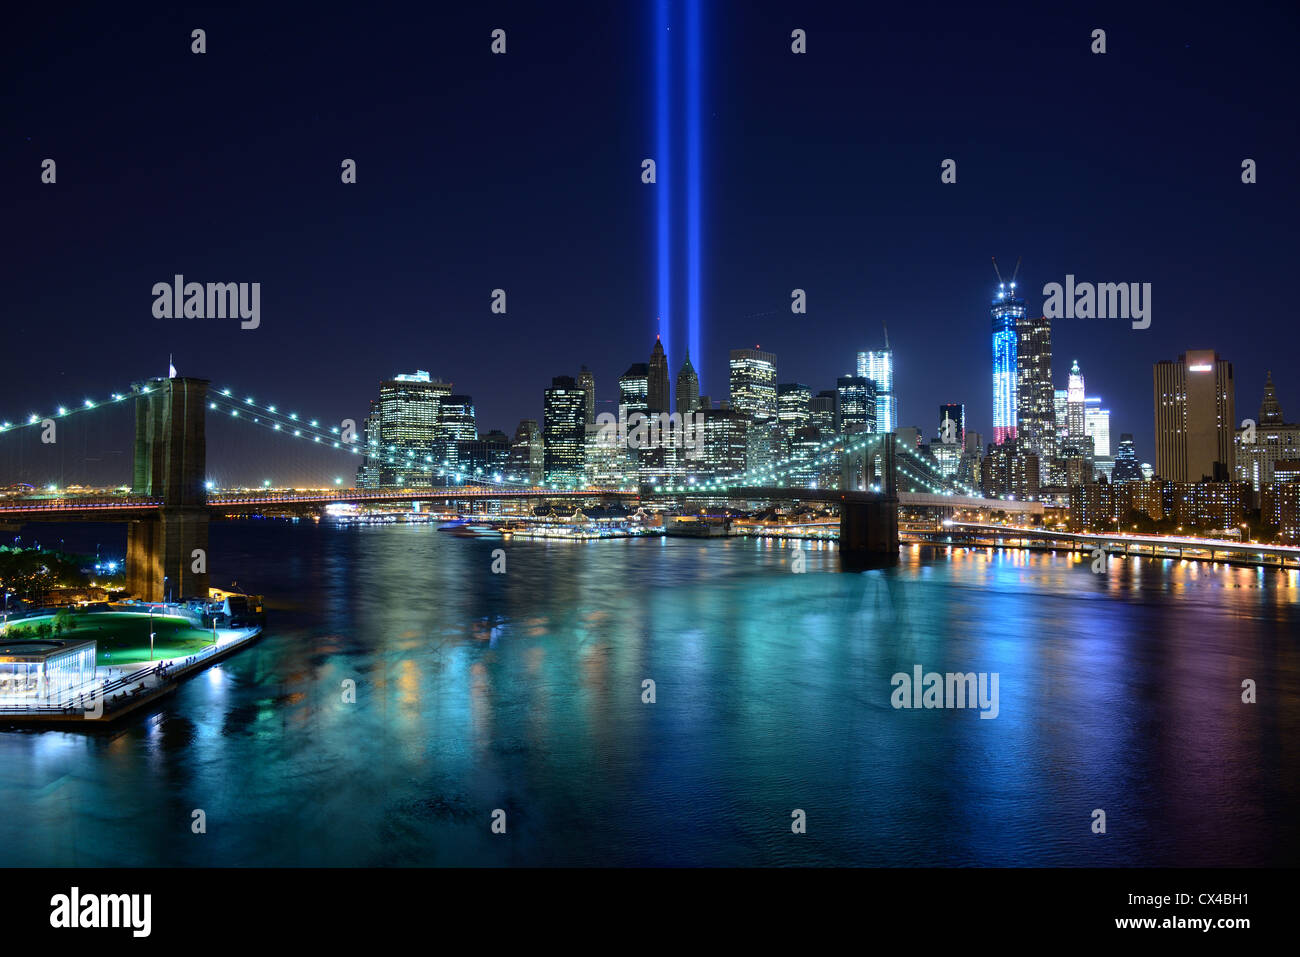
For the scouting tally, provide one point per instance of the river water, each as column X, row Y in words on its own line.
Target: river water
column 523, row 692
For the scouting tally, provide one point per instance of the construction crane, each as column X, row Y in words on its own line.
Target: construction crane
column 999, row 272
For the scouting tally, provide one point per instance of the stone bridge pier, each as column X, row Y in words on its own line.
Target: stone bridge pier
column 868, row 532
column 171, row 466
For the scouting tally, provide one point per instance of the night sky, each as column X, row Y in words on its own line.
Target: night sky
column 522, row 171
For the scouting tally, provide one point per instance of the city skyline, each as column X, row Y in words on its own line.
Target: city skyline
column 854, row 230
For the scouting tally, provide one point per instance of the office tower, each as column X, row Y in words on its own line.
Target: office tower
column 1035, row 405
column 1010, row 471
column 607, row 462
column 587, row 383
column 410, row 443
column 805, row 450
column 821, row 412
column 688, row 387
column 705, row 402
column 657, row 395
column 724, row 437
column 1075, row 403
column 1126, row 463
column 1194, row 417
column 1061, row 406
column 564, row 432
column 633, row 390
column 1096, row 423
column 456, row 424
column 954, row 412
column 481, row 459
column 1273, row 440
column 793, row 406
column 753, row 383
column 856, row 408
column 527, row 460
column 1006, row 312
column 878, row 366
column 368, row 472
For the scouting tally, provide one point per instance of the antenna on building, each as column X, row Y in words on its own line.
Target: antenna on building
column 884, row 325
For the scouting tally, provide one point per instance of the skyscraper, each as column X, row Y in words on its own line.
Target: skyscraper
column 1035, row 407
column 1126, row 463
column 688, row 387
column 657, row 394
column 1075, row 403
column 954, row 412
column 856, row 408
column 409, row 443
column 1272, row 441
column 753, row 383
column 633, row 390
column 793, row 406
column 1194, row 417
column 878, row 366
column 821, row 411
column 1096, row 423
column 564, row 432
column 527, row 462
column 1006, row 312
column 587, row 383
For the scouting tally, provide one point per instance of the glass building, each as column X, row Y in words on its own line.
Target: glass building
column 954, row 412
column 878, row 366
column 753, row 383
column 856, row 405
column 45, row 670
column 1006, row 311
column 564, row 432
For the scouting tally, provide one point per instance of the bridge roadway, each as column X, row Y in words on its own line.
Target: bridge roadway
column 1157, row 546
column 128, row 507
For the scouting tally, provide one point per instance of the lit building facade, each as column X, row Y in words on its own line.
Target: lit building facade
column 856, row 408
column 1006, row 312
column 878, row 366
column 1194, row 417
column 564, row 433
column 1035, row 406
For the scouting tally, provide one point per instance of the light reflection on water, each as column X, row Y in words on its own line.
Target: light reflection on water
column 523, row 692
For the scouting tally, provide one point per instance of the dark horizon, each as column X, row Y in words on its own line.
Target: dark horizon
column 475, row 172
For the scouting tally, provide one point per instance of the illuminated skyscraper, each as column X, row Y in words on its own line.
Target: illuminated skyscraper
column 688, row 387
column 657, row 396
column 1035, row 410
column 587, row 383
column 822, row 412
column 753, row 383
column 633, row 391
column 955, row 413
column 878, row 366
column 856, row 409
column 564, row 434
column 1006, row 311
column 409, row 442
column 794, row 407
column 1075, row 404
column 1096, row 423
column 1194, row 413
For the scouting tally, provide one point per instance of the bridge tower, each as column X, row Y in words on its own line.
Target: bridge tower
column 869, row 508
column 171, row 466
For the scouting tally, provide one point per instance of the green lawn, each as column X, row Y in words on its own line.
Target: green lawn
column 122, row 638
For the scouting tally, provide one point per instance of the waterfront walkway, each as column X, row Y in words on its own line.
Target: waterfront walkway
column 120, row 690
